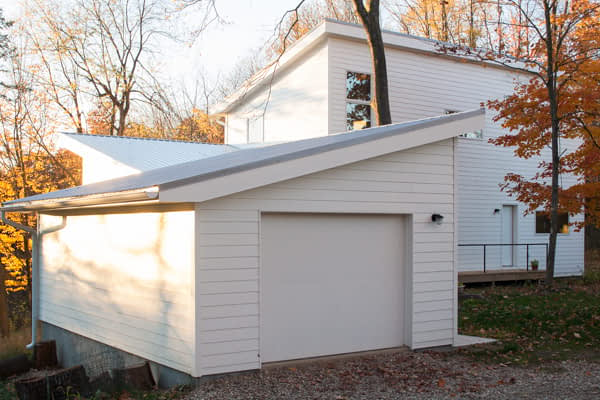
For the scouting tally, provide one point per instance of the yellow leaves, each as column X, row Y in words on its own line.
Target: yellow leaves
column 199, row 127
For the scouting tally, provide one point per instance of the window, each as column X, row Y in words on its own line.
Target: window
column 478, row 134
column 542, row 222
column 256, row 129
column 358, row 101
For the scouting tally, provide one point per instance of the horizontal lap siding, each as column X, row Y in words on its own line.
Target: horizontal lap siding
column 124, row 280
column 294, row 100
column 423, row 86
column 480, row 174
column 228, row 243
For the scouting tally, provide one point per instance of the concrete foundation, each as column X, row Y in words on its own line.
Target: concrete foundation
column 96, row 357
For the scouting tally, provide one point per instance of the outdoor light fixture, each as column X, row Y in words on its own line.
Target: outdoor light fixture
column 437, row 218
column 496, row 211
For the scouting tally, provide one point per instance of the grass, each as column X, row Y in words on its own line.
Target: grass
column 592, row 270
column 10, row 347
column 15, row 343
column 535, row 324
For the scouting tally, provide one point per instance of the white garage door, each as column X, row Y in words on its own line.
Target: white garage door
column 330, row 284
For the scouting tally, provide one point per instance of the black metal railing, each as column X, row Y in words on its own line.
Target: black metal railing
column 486, row 245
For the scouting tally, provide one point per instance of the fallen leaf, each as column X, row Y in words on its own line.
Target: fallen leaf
column 441, row 383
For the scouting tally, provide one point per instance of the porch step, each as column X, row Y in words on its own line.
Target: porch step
column 500, row 275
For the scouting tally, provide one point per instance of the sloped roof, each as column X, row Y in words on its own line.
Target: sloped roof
column 141, row 154
column 231, row 163
column 334, row 28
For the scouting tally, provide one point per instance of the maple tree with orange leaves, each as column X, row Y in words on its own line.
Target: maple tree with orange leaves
column 559, row 109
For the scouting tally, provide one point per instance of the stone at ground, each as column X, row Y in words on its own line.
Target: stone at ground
column 409, row 375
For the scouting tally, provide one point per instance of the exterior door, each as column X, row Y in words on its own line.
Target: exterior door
column 508, row 235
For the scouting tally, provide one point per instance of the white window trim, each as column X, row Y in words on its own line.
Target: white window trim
column 355, row 101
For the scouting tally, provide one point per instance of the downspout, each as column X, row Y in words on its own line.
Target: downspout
column 36, row 238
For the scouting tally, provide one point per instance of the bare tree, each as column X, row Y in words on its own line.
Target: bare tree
column 305, row 16
column 58, row 73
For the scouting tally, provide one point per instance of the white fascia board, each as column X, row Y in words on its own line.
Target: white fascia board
column 348, row 31
column 411, row 43
column 257, row 177
column 263, row 77
column 145, row 196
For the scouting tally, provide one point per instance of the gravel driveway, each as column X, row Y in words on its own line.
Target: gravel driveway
column 408, row 375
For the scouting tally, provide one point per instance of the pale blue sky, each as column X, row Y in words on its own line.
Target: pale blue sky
column 249, row 24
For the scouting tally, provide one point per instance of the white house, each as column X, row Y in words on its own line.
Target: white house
column 328, row 245
column 323, row 82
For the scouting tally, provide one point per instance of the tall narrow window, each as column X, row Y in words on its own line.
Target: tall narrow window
column 256, row 129
column 358, row 100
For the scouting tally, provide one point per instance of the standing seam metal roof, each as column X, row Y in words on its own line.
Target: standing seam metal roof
column 242, row 160
column 145, row 154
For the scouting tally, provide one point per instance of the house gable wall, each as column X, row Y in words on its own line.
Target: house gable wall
column 124, row 280
column 423, row 85
column 415, row 182
column 294, row 105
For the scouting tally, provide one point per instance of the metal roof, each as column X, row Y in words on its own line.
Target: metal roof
column 142, row 154
column 351, row 31
column 238, row 161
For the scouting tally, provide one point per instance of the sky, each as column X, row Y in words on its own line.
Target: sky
column 249, row 23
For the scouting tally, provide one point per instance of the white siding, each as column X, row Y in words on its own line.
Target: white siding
column 416, row 182
column 124, row 280
column 426, row 85
column 295, row 104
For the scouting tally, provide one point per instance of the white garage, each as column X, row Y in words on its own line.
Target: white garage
column 331, row 284
column 323, row 246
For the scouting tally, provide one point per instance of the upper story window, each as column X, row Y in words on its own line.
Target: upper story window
column 478, row 134
column 358, row 100
column 542, row 222
column 255, row 129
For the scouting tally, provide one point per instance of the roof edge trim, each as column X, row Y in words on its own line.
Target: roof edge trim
column 383, row 132
column 129, row 196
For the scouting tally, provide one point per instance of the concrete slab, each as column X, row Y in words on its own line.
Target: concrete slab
column 465, row 340
column 332, row 358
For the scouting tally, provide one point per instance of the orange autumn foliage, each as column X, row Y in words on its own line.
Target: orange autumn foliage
column 526, row 113
column 29, row 163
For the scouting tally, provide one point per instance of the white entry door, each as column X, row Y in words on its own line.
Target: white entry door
column 508, row 235
column 330, row 284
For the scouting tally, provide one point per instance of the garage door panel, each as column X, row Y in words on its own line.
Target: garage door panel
column 330, row 284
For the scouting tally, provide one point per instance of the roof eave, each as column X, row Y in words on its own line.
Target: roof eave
column 145, row 195
column 331, row 28
column 262, row 77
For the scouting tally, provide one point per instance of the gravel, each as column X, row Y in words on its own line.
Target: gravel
column 408, row 375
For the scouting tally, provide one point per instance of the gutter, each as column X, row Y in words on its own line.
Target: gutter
column 36, row 239
column 37, row 234
column 130, row 196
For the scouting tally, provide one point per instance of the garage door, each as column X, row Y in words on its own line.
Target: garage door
column 330, row 284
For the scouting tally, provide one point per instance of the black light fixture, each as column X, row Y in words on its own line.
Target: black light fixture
column 437, row 218
column 496, row 211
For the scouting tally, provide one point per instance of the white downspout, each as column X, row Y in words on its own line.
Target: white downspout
column 36, row 237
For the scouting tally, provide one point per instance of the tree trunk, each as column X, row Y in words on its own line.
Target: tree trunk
column 369, row 17
column 553, row 202
column 553, row 99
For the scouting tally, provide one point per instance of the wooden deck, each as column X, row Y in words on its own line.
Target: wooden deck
column 500, row 275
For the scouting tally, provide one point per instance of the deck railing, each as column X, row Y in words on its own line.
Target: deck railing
column 486, row 245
